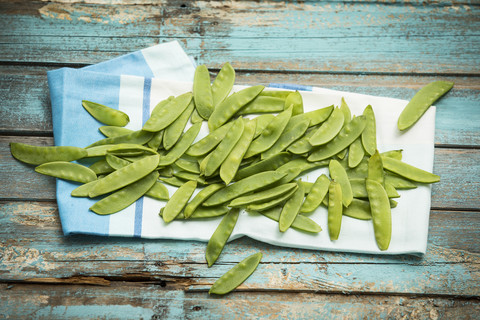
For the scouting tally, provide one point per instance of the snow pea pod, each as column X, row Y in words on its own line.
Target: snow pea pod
column 237, row 275
column 398, row 182
column 395, row 154
column 262, row 122
column 270, row 134
column 301, row 223
column 315, row 117
column 202, row 92
column 195, row 118
column 113, row 131
column 231, row 105
column 283, row 94
column 107, row 115
column 358, row 209
column 369, row 135
column 408, row 171
column 164, row 114
column 202, row 213
column 230, row 166
column 174, row 131
column 125, row 176
column 359, row 189
column 209, row 142
column 223, row 84
column 262, row 206
column 271, row 163
column 173, row 181
column 84, row 189
column 338, row 173
column 124, row 197
column 158, row 191
column 316, row 195
column 156, row 141
column 67, row 171
column 263, row 196
column 116, row 162
column 178, row 201
column 421, row 101
column 291, row 209
column 136, row 137
column 335, row 209
column 181, row 146
column 38, row 155
column 189, row 166
column 263, row 104
column 128, row 150
column 375, row 168
column 286, row 139
column 355, row 153
column 101, row 167
column 302, row 146
column 218, row 156
column 381, row 213
column 346, row 136
column 329, row 129
column 200, row 198
column 295, row 100
column 244, row 186
column 220, row 237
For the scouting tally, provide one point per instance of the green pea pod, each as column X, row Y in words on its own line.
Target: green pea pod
column 67, row 171
column 286, row 139
column 164, row 114
column 195, row 118
column 83, row 190
column 338, row 173
column 301, row 223
column 262, row 122
column 295, row 100
column 316, row 116
column 237, row 275
column 181, row 146
column 282, row 94
column 203, row 195
column 408, row 171
column 263, row 196
column 302, row 146
column 101, row 167
column 220, row 236
column 395, row 154
column 381, row 213
column 329, row 129
column 158, row 191
column 278, row 200
column 178, row 201
column 38, row 155
column 263, row 104
column 335, row 209
column 107, row 115
column 355, row 153
column 291, row 209
column 358, row 209
column 223, row 84
column 369, row 135
column 116, row 162
column 231, row 105
column 125, row 176
column 113, row 131
column 316, row 195
column 124, row 197
column 399, row 182
column 189, row 166
column 202, row 213
column 271, row 163
column 174, row 131
column 137, row 137
column 209, row 142
column 202, row 92
column 375, row 168
column 421, row 101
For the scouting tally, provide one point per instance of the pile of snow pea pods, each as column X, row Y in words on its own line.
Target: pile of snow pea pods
column 259, row 143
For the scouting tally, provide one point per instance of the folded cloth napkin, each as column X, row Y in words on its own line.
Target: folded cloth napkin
column 136, row 82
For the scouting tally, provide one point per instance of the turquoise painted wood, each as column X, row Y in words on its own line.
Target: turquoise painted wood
column 386, row 48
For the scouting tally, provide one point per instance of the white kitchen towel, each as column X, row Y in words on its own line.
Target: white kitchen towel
column 135, row 83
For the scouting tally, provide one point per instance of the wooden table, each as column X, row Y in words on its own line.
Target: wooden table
column 388, row 48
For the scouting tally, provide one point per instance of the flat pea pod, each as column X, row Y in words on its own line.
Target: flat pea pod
column 220, row 237
column 219, row 155
column 355, row 153
column 263, row 196
column 164, row 114
column 263, row 104
column 358, row 209
column 346, row 136
column 231, row 105
column 209, row 142
column 359, row 189
column 308, row 186
column 375, row 168
column 189, row 166
column 202, row 92
column 67, row 171
column 38, row 155
column 195, row 118
column 185, row 175
column 302, row 146
column 283, row 94
column 173, row 181
column 237, row 275
column 116, row 162
column 232, row 162
column 270, row 134
column 203, row 195
column 174, row 131
column 178, row 201
column 262, row 206
column 316, row 195
column 301, row 223
column 421, row 101
column 262, row 122
column 286, row 139
column 101, row 167
column 127, row 150
column 335, row 209
column 106, row 115
column 125, row 176
column 329, row 129
column 223, row 83
column 83, row 190
column 158, row 191
column 202, row 213
column 398, row 182
column 408, row 171
column 137, row 137
column 316, row 116
column 124, row 197
column 347, row 114
column 181, row 146
column 291, row 209
column 338, row 173
column 271, row 163
column 381, row 213
column 369, row 135
column 114, row 131
column 244, row 186
column 395, row 154
column 295, row 100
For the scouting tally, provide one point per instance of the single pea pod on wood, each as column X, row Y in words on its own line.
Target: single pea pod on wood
column 421, row 101
column 408, row 171
column 237, row 275
column 381, row 213
column 106, row 115
column 67, row 171
column 220, row 236
column 38, row 155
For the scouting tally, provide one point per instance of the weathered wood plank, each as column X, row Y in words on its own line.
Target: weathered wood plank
column 150, row 301
column 417, row 39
